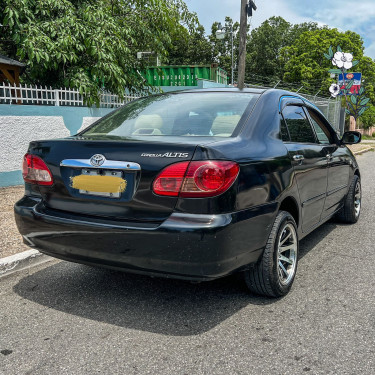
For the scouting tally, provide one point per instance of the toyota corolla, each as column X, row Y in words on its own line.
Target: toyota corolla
column 193, row 185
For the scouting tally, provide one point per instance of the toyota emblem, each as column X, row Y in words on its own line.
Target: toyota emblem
column 97, row 160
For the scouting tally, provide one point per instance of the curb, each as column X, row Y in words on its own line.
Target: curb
column 20, row 261
column 363, row 151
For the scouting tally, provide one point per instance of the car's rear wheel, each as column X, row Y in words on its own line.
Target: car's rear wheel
column 273, row 276
column 351, row 210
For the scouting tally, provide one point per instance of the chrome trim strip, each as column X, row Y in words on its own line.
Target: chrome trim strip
column 62, row 220
column 333, row 191
column 108, row 164
column 177, row 221
column 192, row 221
column 323, row 195
column 314, row 199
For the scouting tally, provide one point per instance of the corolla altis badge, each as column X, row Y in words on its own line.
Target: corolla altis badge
column 97, row 160
column 167, row 155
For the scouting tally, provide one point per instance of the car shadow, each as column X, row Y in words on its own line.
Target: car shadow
column 164, row 306
column 310, row 241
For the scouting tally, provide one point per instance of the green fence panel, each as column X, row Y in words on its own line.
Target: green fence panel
column 184, row 75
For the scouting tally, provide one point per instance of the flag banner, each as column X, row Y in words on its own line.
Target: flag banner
column 356, row 78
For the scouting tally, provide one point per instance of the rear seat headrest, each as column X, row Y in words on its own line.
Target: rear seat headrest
column 225, row 124
column 148, row 121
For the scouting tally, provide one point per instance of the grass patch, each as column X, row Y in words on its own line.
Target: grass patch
column 368, row 138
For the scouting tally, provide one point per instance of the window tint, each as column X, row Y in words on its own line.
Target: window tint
column 321, row 130
column 299, row 126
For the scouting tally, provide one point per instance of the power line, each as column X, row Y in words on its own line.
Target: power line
column 312, row 88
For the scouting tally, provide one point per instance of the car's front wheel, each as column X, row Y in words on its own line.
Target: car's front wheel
column 273, row 276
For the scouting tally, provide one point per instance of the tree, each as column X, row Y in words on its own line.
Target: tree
column 368, row 118
column 305, row 61
column 190, row 48
column 367, row 67
column 265, row 44
column 222, row 48
column 90, row 44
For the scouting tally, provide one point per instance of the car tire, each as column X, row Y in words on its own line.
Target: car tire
column 274, row 274
column 351, row 210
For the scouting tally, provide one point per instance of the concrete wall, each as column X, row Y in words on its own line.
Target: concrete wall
column 21, row 124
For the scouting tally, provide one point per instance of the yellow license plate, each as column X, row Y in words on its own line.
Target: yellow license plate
column 99, row 184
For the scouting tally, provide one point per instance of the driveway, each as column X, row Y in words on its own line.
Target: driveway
column 63, row 318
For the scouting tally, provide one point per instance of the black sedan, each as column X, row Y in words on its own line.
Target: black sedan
column 193, row 185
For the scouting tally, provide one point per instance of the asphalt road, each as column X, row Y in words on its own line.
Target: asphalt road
column 63, row 318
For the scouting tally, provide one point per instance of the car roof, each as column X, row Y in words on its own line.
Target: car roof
column 221, row 89
column 250, row 90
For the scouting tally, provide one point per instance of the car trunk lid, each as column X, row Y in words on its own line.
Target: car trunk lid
column 120, row 187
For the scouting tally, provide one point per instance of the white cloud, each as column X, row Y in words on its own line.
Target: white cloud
column 370, row 50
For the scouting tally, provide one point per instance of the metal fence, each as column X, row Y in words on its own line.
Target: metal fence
column 38, row 95
column 330, row 107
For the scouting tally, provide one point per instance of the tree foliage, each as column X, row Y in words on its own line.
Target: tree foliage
column 367, row 67
column 190, row 48
column 265, row 45
column 93, row 44
column 90, row 44
column 305, row 61
column 368, row 118
column 222, row 48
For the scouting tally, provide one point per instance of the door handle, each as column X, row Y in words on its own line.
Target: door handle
column 298, row 157
column 329, row 156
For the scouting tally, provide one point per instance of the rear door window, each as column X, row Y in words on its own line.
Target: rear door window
column 299, row 127
column 322, row 133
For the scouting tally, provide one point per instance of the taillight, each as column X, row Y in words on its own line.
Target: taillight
column 35, row 171
column 170, row 179
column 196, row 179
column 208, row 178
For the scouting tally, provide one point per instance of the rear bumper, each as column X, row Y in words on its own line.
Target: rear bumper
column 195, row 247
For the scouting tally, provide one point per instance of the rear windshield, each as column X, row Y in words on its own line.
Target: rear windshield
column 185, row 114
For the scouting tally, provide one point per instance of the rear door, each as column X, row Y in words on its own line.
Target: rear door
column 309, row 162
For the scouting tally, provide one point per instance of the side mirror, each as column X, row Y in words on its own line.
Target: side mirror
column 351, row 138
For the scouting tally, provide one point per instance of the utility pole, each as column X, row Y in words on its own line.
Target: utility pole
column 232, row 70
column 246, row 10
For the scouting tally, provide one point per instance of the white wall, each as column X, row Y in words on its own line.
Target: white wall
column 17, row 132
column 21, row 124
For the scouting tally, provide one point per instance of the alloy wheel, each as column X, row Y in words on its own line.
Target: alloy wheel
column 357, row 199
column 287, row 254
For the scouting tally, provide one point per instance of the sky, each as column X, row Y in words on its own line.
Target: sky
column 341, row 14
